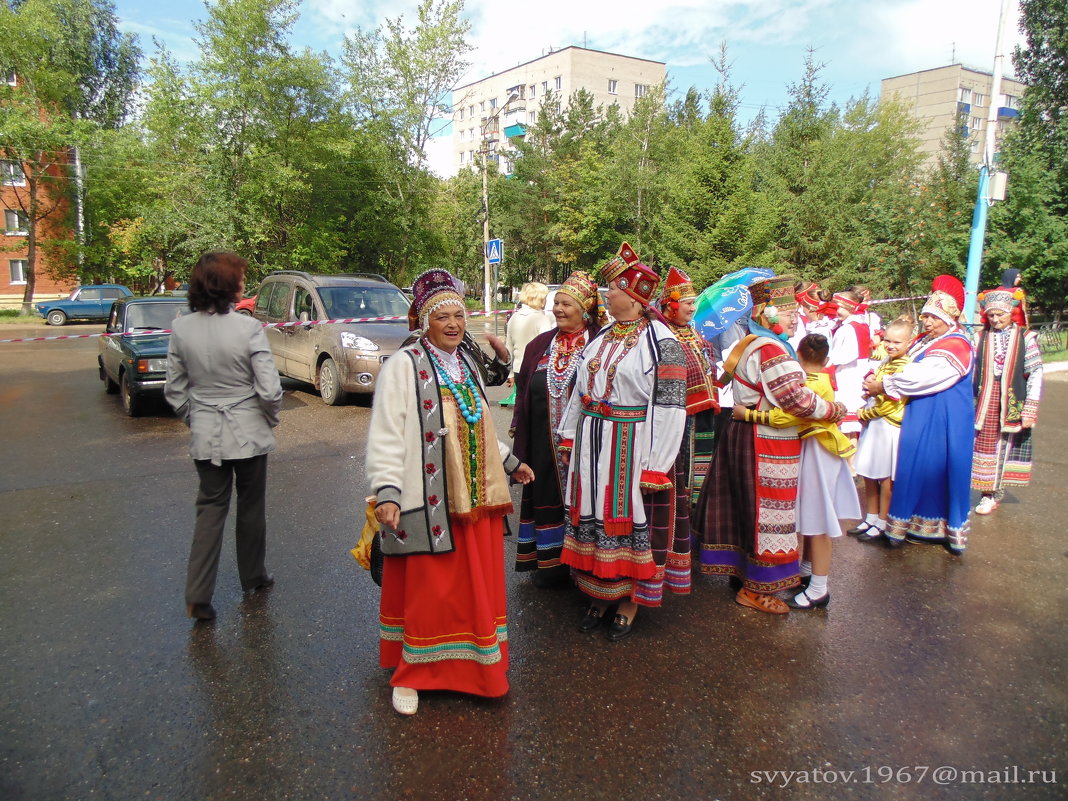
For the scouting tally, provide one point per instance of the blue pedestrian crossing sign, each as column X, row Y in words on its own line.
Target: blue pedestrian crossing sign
column 495, row 251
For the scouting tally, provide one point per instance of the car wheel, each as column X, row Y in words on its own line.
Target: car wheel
column 56, row 317
column 131, row 404
column 245, row 312
column 110, row 386
column 330, row 384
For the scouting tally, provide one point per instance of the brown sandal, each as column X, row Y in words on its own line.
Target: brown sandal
column 761, row 602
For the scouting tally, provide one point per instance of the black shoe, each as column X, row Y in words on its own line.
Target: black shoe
column 620, row 628
column 808, row 603
column 591, row 618
column 890, row 542
column 873, row 533
column 805, row 581
column 860, row 528
column 201, row 611
column 266, row 584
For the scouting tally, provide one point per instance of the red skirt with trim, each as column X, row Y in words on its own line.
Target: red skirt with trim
column 442, row 617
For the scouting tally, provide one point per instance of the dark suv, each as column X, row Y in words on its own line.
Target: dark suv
column 338, row 358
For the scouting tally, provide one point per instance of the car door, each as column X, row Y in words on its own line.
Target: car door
column 108, row 295
column 300, row 339
column 111, row 347
column 272, row 306
column 89, row 305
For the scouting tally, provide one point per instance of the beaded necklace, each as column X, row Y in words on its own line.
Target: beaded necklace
column 466, row 396
column 562, row 361
column 628, row 333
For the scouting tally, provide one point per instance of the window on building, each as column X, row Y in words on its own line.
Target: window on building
column 559, row 108
column 558, row 83
column 977, row 123
column 493, row 103
column 978, row 99
column 462, row 155
column 471, row 156
column 964, row 95
column 533, row 91
column 16, row 223
column 10, row 78
column 613, row 87
column 482, row 105
column 532, row 117
column 1010, row 101
column 544, row 87
column 471, row 111
column 12, row 173
column 975, row 145
column 461, row 113
column 640, row 89
column 18, row 268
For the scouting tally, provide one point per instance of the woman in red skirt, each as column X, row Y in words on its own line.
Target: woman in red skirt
column 438, row 473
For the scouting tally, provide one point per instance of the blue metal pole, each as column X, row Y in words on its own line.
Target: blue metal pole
column 975, row 246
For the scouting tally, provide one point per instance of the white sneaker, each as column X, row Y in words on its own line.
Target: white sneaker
column 986, row 505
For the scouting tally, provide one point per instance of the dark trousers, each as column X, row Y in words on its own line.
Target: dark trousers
column 213, row 504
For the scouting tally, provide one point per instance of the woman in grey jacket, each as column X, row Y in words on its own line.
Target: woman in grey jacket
column 223, row 384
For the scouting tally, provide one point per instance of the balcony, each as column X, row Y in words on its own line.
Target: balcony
column 515, row 130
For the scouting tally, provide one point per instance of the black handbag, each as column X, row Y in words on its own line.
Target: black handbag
column 377, row 558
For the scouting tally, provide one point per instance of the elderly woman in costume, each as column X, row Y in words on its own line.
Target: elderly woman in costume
column 1007, row 387
column 678, row 302
column 931, row 497
column 438, row 473
column 623, row 429
column 526, row 322
column 745, row 517
column 543, row 389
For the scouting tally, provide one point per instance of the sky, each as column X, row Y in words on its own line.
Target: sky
column 859, row 42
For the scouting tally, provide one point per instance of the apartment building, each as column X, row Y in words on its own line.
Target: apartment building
column 937, row 96
column 14, row 236
column 509, row 102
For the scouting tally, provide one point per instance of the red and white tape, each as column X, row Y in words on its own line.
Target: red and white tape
column 265, row 325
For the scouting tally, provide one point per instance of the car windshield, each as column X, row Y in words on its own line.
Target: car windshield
column 153, row 316
column 342, row 302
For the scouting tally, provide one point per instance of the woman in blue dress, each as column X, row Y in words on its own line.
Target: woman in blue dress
column 932, row 493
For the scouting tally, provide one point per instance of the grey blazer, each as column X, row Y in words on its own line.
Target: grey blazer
column 222, row 382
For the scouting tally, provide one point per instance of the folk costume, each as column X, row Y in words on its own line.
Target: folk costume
column 881, row 416
column 1007, row 386
column 432, row 450
column 931, row 498
column 808, row 302
column 543, row 389
column 702, row 405
column 624, row 425
column 850, row 351
column 745, row 515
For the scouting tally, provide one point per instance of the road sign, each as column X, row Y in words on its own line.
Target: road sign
column 494, row 251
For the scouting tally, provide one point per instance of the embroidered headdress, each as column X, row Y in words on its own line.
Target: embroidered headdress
column 677, row 287
column 777, row 291
column 581, row 286
column 432, row 290
column 636, row 279
column 946, row 300
column 809, row 296
column 844, row 301
column 999, row 299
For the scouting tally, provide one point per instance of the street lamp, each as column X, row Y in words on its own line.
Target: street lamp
column 489, row 127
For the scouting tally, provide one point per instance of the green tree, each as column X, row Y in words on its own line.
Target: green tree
column 1030, row 230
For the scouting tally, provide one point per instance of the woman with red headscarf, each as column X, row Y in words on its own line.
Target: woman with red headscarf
column 932, row 497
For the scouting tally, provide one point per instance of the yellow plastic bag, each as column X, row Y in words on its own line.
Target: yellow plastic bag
column 362, row 551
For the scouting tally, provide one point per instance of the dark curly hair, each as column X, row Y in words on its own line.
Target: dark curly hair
column 216, row 281
column 813, row 348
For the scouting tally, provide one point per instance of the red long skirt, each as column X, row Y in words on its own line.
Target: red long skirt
column 442, row 618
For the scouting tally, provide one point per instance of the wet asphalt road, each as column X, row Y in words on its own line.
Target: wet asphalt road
column 922, row 660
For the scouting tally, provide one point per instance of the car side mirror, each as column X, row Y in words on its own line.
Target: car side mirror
column 303, row 317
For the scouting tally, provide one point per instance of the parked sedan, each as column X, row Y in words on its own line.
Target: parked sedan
column 133, row 362
column 84, row 303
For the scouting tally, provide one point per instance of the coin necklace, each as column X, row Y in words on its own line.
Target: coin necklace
column 628, row 332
